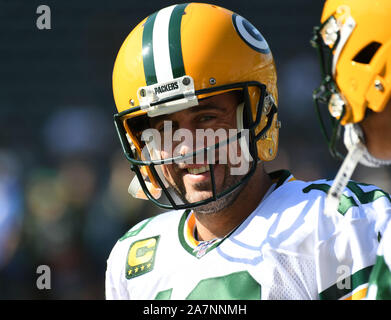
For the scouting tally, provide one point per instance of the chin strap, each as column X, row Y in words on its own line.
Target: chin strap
column 357, row 153
column 353, row 135
column 341, row 180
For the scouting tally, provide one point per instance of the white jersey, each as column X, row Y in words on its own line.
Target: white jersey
column 380, row 279
column 286, row 249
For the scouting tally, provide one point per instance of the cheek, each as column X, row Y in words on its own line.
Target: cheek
column 169, row 148
column 165, row 171
column 167, row 152
column 171, row 171
column 164, row 154
column 168, row 172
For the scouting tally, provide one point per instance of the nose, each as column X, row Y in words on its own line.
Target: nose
column 191, row 142
column 185, row 140
column 185, row 146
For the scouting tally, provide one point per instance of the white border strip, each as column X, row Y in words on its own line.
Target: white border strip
column 161, row 50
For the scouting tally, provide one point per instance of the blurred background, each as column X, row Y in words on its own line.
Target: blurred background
column 63, row 178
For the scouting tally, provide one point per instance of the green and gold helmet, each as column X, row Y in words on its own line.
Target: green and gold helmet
column 178, row 56
column 353, row 42
column 354, row 45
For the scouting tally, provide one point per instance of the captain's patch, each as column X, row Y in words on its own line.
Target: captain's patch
column 141, row 257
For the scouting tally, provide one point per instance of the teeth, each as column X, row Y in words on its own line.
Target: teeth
column 198, row 170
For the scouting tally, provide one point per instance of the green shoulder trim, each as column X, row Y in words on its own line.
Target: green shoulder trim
column 164, row 295
column 135, row 230
column 366, row 197
column 345, row 202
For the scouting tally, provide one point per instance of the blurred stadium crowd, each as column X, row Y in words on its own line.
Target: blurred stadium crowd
column 63, row 178
column 63, row 208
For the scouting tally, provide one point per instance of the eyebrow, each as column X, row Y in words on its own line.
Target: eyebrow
column 195, row 109
column 205, row 106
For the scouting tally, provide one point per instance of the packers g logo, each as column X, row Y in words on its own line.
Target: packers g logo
column 250, row 34
column 141, row 257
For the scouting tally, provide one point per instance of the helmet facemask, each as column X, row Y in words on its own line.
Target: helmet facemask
column 147, row 164
column 329, row 39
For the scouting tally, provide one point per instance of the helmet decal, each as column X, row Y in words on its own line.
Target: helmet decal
column 250, row 34
column 162, row 53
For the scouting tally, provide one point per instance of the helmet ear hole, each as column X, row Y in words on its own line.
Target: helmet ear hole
column 366, row 54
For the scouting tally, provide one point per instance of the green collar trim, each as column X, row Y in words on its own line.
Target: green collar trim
column 279, row 177
column 191, row 249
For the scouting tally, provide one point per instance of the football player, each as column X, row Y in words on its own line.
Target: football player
column 354, row 44
column 195, row 86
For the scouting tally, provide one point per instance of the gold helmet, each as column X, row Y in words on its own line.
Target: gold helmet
column 183, row 53
column 354, row 44
column 354, row 47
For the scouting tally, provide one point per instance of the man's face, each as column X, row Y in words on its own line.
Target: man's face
column 192, row 181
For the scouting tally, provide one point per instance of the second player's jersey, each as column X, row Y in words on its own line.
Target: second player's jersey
column 286, row 249
column 380, row 279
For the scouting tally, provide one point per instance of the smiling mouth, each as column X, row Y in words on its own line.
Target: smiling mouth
column 198, row 170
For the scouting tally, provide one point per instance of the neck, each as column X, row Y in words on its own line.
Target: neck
column 219, row 224
column 377, row 130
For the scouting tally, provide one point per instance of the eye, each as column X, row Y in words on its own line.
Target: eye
column 205, row 118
